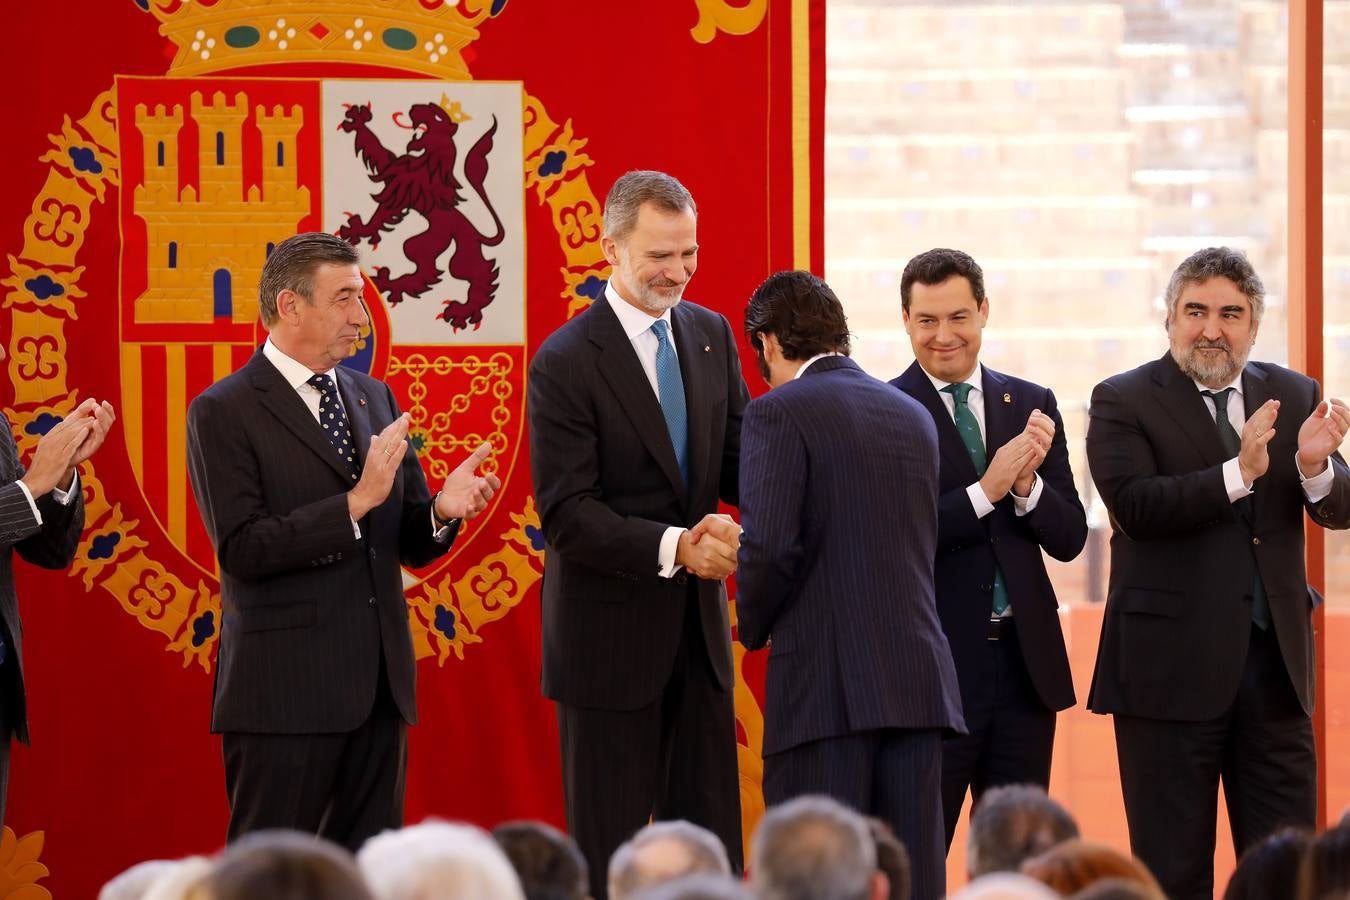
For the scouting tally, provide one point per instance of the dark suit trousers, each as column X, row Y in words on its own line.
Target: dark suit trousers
column 672, row 759
column 894, row 774
column 345, row 787
column 1012, row 733
column 1263, row 751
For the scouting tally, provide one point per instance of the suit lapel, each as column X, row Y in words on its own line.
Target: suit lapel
column 280, row 399
column 619, row 366
column 694, row 348
column 1255, row 392
column 358, row 412
column 955, row 458
column 1177, row 395
column 1000, row 416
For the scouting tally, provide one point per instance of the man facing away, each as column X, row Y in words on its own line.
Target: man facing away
column 1006, row 493
column 1207, row 463
column 839, row 481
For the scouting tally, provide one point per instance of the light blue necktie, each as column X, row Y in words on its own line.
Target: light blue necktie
column 969, row 428
column 670, row 389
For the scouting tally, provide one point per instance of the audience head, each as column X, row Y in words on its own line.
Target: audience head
column 702, row 886
column 1269, row 868
column 1325, row 872
column 1117, row 889
column 1011, row 824
column 812, row 847
column 438, row 861
column 135, row 883
column 1073, row 865
column 284, row 865
column 1005, row 886
column 892, row 858
column 547, row 862
column 664, row 851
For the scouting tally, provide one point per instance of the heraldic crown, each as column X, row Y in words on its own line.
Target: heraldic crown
column 426, row 36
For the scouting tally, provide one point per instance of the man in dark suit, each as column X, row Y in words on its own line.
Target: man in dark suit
column 635, row 417
column 312, row 501
column 1206, row 649
column 41, row 517
column 839, row 482
column 1005, row 493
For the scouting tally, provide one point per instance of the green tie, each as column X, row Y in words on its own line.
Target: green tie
column 969, row 430
column 1232, row 445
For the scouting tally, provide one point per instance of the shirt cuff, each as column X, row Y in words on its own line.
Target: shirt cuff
column 356, row 529
column 1317, row 487
column 979, row 500
column 66, row 496
column 1024, row 505
column 1233, row 483
column 665, row 554
column 440, row 533
column 31, row 505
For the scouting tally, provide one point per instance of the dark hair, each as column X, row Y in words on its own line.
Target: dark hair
column 935, row 266
column 892, row 858
column 636, row 188
column 1217, row 262
column 285, row 865
column 548, row 863
column 801, row 311
column 291, row 266
column 1011, row 823
column 1269, row 868
column 1326, row 866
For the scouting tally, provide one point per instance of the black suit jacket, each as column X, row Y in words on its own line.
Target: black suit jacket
column 307, row 610
column 839, row 506
column 50, row 545
column 608, row 485
column 969, row 547
column 1178, row 614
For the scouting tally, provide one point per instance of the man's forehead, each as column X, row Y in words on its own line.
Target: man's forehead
column 1212, row 292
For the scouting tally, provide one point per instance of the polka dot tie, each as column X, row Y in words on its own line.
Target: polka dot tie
column 333, row 418
column 969, row 428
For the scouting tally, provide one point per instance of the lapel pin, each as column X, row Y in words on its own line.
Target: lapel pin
column 1007, row 398
column 361, row 401
column 707, row 349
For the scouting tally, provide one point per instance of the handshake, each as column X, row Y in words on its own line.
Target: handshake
column 708, row 550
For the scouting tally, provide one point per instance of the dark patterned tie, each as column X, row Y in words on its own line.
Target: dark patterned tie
column 333, row 418
column 1232, row 445
column 969, row 428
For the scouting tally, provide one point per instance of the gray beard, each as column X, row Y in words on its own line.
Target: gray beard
column 1214, row 374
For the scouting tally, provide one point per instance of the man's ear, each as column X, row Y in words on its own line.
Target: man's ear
column 881, row 886
column 610, row 248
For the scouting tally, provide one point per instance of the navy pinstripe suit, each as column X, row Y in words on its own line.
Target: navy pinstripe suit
column 839, row 475
column 50, row 545
column 313, row 620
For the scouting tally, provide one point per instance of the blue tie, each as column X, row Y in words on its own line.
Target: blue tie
column 969, row 427
column 670, row 388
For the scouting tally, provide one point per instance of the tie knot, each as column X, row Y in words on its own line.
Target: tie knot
column 659, row 328
column 322, row 383
column 960, row 391
column 1220, row 399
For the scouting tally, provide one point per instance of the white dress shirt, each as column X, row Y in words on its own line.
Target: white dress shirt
column 60, row 496
column 806, row 365
column 638, row 326
column 1315, row 488
column 979, row 500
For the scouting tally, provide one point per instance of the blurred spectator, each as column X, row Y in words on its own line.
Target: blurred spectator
column 1119, row 889
column 547, row 862
column 1005, row 886
column 663, row 851
column 438, row 861
column 283, row 865
column 1270, row 868
column 135, row 883
column 812, row 848
column 1325, row 872
column 702, row 886
column 1011, row 824
column 892, row 858
column 1073, row 865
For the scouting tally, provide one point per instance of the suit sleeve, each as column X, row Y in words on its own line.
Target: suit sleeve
column 1333, row 510
column 1143, row 504
column 565, row 466
column 1058, row 521
column 958, row 526
column 772, row 490
column 251, row 542
column 51, row 544
column 738, row 395
column 416, row 537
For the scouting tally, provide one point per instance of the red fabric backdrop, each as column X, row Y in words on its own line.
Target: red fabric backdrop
column 119, row 652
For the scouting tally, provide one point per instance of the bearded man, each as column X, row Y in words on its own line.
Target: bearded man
column 1206, row 463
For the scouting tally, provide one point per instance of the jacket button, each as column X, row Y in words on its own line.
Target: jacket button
column 993, row 540
column 371, row 601
column 1256, row 540
column 372, row 552
column 986, row 587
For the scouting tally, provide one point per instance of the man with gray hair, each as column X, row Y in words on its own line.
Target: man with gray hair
column 1012, row 823
column 1206, row 463
column 661, row 852
column 634, row 412
column 814, row 847
column 438, row 860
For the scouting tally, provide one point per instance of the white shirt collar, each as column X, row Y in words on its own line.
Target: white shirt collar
column 976, row 380
column 296, row 373
column 633, row 320
column 806, row 365
column 1235, row 384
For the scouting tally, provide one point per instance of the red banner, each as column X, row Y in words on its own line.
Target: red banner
column 156, row 147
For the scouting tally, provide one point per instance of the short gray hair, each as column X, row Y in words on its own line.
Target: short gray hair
column 292, row 264
column 627, row 873
column 451, row 861
column 1217, row 262
column 636, row 188
column 811, row 847
column 1012, row 823
column 702, row 886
